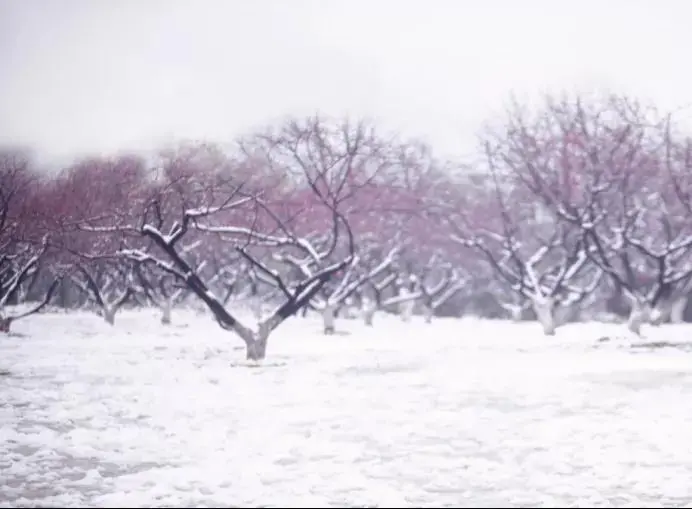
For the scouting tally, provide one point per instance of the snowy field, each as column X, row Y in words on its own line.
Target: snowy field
column 458, row 413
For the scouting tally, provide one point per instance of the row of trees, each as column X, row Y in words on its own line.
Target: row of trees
column 581, row 208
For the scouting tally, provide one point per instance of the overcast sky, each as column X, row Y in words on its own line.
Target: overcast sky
column 101, row 75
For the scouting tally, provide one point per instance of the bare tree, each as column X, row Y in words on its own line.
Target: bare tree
column 329, row 164
column 295, row 296
column 17, row 265
column 439, row 282
column 531, row 249
column 23, row 243
column 678, row 164
column 370, row 304
column 334, row 294
column 231, row 201
column 161, row 289
column 106, row 284
column 599, row 167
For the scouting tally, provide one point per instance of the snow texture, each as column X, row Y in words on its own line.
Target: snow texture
column 455, row 413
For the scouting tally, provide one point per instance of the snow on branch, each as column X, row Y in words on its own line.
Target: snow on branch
column 20, row 271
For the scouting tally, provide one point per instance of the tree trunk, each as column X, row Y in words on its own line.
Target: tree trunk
column 257, row 346
column 328, row 316
column 546, row 315
column 406, row 310
column 5, row 324
column 63, row 295
column 109, row 315
column 369, row 315
column 166, row 312
column 428, row 313
column 516, row 311
column 637, row 317
column 677, row 310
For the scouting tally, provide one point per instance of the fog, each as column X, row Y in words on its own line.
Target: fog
column 99, row 76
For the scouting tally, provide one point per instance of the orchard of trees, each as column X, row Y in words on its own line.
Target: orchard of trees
column 580, row 210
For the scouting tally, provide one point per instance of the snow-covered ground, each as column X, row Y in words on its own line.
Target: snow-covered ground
column 456, row 413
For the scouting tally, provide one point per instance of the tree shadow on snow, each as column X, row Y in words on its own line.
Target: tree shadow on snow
column 657, row 345
column 14, row 334
column 258, row 365
column 641, row 345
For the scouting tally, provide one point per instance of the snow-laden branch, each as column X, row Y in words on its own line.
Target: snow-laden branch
column 108, row 304
column 347, row 288
column 531, row 263
column 455, row 284
column 196, row 213
column 107, row 229
column 21, row 272
column 265, row 239
column 436, row 294
column 6, row 320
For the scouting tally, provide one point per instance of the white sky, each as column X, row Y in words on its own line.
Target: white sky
column 101, row 75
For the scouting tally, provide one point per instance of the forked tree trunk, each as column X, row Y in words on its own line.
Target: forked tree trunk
column 369, row 314
column 63, row 295
column 256, row 346
column 428, row 313
column 545, row 312
column 109, row 314
column 255, row 341
column 7, row 321
column 637, row 317
column 406, row 310
column 5, row 324
column 328, row 317
column 166, row 312
column 516, row 311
